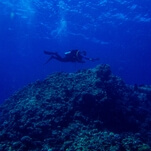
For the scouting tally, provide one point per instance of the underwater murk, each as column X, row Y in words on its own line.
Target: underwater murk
column 99, row 105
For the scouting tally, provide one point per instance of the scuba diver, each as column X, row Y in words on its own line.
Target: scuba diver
column 70, row 56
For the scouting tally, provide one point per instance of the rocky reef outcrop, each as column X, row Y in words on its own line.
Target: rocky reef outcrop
column 88, row 110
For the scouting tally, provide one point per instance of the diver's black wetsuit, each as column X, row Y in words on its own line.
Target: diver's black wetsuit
column 55, row 55
column 71, row 56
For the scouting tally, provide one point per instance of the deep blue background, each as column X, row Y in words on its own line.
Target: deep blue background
column 117, row 31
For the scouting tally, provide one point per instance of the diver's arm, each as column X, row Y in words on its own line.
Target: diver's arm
column 91, row 59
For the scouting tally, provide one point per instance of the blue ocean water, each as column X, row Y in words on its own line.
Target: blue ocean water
column 116, row 31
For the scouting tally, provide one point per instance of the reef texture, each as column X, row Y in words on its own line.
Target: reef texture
column 90, row 110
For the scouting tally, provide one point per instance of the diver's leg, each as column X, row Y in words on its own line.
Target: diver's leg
column 50, row 53
column 48, row 60
column 55, row 55
column 59, row 58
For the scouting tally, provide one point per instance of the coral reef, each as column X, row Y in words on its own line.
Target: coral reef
column 88, row 110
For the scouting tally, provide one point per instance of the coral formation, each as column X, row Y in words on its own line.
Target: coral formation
column 88, row 110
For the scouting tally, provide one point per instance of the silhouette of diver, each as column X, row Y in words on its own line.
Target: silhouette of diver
column 70, row 56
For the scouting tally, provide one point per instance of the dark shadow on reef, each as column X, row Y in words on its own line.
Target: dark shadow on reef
column 87, row 110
